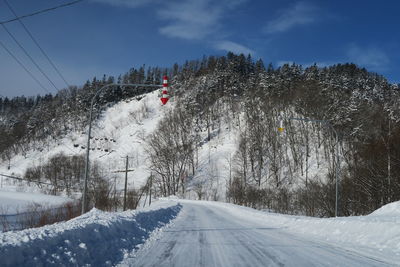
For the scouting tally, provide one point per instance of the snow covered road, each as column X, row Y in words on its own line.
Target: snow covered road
column 208, row 235
column 176, row 232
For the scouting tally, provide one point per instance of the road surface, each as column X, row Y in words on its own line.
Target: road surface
column 206, row 235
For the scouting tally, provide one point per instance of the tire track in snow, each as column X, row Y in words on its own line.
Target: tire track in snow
column 205, row 235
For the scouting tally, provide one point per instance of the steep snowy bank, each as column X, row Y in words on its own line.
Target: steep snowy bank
column 97, row 238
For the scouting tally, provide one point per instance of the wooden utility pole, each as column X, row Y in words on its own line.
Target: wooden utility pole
column 150, row 186
column 126, row 180
column 98, row 91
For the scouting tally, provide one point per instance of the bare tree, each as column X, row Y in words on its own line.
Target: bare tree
column 171, row 150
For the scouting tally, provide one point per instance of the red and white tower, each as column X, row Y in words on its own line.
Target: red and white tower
column 164, row 93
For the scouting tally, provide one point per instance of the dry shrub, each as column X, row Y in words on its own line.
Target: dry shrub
column 37, row 215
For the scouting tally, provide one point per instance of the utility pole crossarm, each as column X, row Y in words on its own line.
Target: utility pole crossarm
column 123, row 171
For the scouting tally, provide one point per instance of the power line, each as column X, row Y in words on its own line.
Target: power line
column 37, row 44
column 108, row 133
column 22, row 65
column 29, row 56
column 41, row 11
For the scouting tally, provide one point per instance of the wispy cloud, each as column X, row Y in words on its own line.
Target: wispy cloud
column 195, row 19
column 233, row 47
column 201, row 20
column 372, row 57
column 189, row 19
column 301, row 13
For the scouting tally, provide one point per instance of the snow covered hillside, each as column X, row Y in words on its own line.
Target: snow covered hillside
column 223, row 146
column 219, row 140
column 119, row 132
column 122, row 130
column 202, row 233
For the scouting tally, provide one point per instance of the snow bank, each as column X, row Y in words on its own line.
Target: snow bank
column 389, row 210
column 95, row 239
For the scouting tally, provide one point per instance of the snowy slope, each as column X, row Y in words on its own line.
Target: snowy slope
column 214, row 165
column 119, row 132
column 128, row 123
column 216, row 161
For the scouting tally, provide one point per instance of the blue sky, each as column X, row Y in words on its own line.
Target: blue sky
column 97, row 37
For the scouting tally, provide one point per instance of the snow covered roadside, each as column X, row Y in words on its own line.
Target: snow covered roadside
column 376, row 235
column 17, row 202
column 96, row 238
column 20, row 210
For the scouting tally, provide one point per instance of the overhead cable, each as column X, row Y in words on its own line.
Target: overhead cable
column 41, row 11
column 22, row 65
column 29, row 56
column 37, row 44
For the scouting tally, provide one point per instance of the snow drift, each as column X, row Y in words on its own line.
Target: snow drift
column 96, row 238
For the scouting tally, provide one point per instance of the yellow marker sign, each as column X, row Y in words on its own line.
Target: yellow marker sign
column 280, row 129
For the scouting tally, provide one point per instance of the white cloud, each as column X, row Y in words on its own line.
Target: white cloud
column 195, row 19
column 301, row 13
column 189, row 32
column 233, row 47
column 191, row 19
column 199, row 20
column 372, row 57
